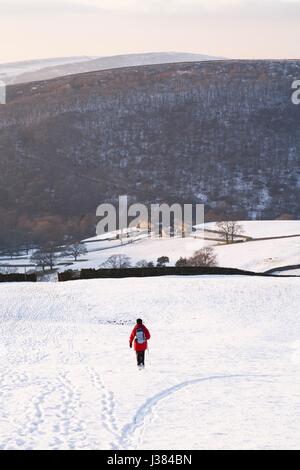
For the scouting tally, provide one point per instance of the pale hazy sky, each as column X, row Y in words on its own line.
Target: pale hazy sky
column 31, row 29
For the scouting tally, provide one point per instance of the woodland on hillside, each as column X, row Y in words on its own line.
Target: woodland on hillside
column 222, row 133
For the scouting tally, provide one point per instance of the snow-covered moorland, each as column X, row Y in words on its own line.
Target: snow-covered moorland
column 223, row 369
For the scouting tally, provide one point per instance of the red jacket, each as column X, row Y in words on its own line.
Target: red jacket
column 137, row 346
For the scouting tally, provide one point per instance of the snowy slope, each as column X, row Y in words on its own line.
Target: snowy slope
column 256, row 255
column 260, row 256
column 144, row 249
column 263, row 228
column 290, row 272
column 223, row 369
column 9, row 72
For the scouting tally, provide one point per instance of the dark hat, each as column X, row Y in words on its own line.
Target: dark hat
column 139, row 320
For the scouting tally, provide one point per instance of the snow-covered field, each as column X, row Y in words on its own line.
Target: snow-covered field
column 149, row 249
column 260, row 256
column 290, row 272
column 254, row 255
column 223, row 369
column 264, row 228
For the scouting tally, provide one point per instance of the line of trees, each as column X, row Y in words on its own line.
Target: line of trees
column 47, row 255
column 205, row 257
column 121, row 261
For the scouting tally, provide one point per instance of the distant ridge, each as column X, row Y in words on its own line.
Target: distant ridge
column 9, row 71
column 66, row 66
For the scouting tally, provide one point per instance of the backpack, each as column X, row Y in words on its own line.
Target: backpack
column 140, row 336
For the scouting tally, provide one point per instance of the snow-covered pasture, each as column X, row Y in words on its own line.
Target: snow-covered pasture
column 256, row 255
column 223, row 370
column 263, row 228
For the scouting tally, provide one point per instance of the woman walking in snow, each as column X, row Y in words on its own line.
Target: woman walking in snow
column 140, row 335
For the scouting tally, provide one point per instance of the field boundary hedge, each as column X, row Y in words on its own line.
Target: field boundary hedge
column 151, row 272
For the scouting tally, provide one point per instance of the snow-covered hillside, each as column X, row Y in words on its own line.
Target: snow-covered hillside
column 260, row 256
column 145, row 248
column 9, row 72
column 254, row 255
column 223, row 370
column 273, row 244
column 263, row 228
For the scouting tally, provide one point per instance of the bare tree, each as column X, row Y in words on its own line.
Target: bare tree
column 40, row 259
column 117, row 262
column 7, row 270
column 45, row 256
column 51, row 254
column 75, row 250
column 143, row 263
column 205, row 257
column 230, row 230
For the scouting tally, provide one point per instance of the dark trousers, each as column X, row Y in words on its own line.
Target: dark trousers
column 140, row 357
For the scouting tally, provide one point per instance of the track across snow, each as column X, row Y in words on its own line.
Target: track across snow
column 223, row 370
